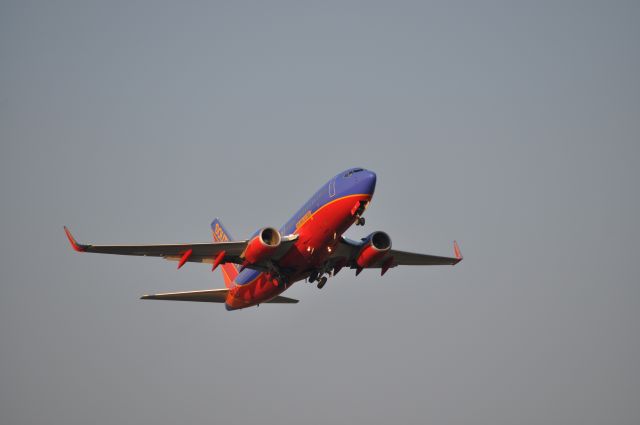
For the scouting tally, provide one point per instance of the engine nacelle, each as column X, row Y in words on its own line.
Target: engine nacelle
column 262, row 245
column 375, row 247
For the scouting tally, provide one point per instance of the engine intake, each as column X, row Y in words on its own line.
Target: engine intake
column 262, row 246
column 376, row 246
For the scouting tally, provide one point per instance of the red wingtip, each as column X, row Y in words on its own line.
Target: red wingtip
column 75, row 245
column 456, row 250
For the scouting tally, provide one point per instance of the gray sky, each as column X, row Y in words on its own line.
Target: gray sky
column 512, row 127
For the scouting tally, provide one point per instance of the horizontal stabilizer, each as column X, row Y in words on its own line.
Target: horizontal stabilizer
column 208, row 296
column 282, row 300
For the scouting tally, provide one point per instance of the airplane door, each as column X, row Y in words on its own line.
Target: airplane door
column 332, row 188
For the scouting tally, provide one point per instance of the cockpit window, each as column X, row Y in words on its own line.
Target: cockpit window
column 350, row 172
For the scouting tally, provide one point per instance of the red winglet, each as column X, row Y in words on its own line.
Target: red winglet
column 75, row 245
column 185, row 257
column 456, row 250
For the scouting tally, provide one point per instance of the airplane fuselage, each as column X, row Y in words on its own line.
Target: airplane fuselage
column 319, row 224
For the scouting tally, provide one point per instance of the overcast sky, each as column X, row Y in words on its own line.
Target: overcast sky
column 513, row 127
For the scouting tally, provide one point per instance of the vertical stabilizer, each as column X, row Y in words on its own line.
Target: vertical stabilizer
column 220, row 234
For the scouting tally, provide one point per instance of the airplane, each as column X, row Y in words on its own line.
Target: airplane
column 310, row 246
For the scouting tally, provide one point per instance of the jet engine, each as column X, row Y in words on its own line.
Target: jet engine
column 262, row 245
column 375, row 246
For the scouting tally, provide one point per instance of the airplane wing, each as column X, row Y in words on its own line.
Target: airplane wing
column 347, row 251
column 193, row 252
column 208, row 296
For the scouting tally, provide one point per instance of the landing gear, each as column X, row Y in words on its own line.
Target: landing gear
column 357, row 212
column 322, row 281
column 321, row 274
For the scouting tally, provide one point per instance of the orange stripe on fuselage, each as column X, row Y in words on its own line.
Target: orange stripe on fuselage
column 326, row 205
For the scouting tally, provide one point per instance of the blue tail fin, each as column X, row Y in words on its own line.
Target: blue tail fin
column 220, row 234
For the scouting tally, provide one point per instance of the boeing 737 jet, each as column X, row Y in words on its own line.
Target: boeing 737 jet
column 309, row 246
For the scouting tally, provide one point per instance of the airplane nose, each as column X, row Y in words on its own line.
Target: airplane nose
column 370, row 179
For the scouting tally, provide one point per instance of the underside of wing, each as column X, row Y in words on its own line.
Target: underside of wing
column 348, row 251
column 404, row 258
column 189, row 252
